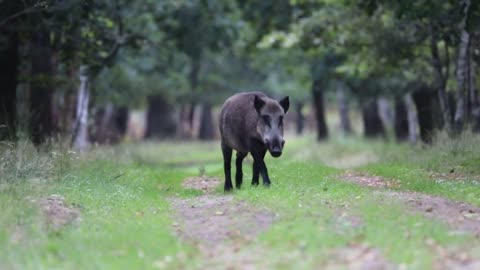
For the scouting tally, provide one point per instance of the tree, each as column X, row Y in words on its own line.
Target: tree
column 195, row 32
column 9, row 58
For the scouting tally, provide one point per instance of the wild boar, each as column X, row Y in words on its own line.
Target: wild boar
column 251, row 123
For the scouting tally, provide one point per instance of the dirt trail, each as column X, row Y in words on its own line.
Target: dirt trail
column 224, row 230
column 461, row 217
column 220, row 227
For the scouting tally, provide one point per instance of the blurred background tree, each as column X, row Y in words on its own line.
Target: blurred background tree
column 77, row 69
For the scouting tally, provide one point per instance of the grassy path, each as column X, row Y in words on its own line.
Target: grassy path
column 139, row 206
column 221, row 227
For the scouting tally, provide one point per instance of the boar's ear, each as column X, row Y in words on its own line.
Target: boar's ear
column 258, row 103
column 285, row 103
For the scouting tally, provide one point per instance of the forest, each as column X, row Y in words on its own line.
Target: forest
column 110, row 146
column 70, row 67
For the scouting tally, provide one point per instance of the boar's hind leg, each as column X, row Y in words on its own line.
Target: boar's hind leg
column 259, row 167
column 227, row 159
column 239, row 172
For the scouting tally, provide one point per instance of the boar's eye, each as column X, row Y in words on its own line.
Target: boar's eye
column 280, row 121
column 266, row 119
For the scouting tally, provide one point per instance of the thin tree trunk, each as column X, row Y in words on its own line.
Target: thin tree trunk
column 462, row 80
column 473, row 93
column 121, row 120
column 191, row 117
column 372, row 123
column 160, row 118
column 401, row 120
column 80, row 129
column 300, row 119
column 41, row 90
column 110, row 124
column 343, row 111
column 67, row 103
column 386, row 113
column 412, row 119
column 441, row 79
column 102, row 131
column 193, row 79
column 206, row 130
column 424, row 100
column 317, row 92
column 68, row 112
column 8, row 82
column 183, row 124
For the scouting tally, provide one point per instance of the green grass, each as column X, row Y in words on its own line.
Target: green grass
column 448, row 168
column 127, row 223
column 310, row 201
column 125, row 219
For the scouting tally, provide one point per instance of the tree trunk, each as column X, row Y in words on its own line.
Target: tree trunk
column 412, row 119
column 317, row 91
column 401, row 126
column 68, row 110
column 372, row 123
column 183, row 124
column 101, row 132
column 160, row 118
column 473, row 93
column 476, row 120
column 121, row 120
column 206, row 130
column 193, row 80
column 80, row 127
column 67, row 101
column 8, row 82
column 41, row 89
column 110, row 125
column 462, row 80
column 300, row 118
column 441, row 79
column 343, row 111
column 424, row 101
column 387, row 114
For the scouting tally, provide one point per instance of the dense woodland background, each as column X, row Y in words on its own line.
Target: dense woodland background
column 74, row 69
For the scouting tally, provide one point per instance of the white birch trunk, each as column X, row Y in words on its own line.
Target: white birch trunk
column 412, row 119
column 462, row 77
column 80, row 129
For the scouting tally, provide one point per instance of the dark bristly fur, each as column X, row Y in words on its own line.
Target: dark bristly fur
column 251, row 123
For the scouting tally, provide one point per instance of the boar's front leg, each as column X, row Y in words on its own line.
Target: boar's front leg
column 227, row 160
column 256, row 173
column 239, row 172
column 258, row 152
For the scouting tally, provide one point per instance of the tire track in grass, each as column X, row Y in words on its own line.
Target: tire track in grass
column 461, row 217
column 220, row 226
column 224, row 231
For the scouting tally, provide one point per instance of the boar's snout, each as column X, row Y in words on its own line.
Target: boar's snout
column 275, row 146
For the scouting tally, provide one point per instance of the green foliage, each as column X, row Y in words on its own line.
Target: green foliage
column 377, row 47
column 472, row 23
